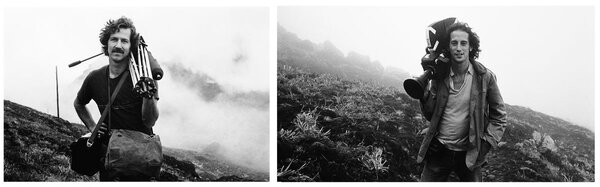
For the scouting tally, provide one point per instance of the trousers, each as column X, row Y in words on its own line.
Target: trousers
column 441, row 161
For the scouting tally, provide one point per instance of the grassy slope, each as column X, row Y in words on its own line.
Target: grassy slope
column 333, row 129
column 36, row 146
column 361, row 118
column 36, row 149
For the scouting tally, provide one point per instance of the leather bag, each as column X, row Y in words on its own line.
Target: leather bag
column 86, row 160
column 133, row 155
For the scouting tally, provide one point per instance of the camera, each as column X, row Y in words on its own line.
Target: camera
column 435, row 65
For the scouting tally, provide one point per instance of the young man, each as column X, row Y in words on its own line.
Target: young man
column 129, row 110
column 466, row 113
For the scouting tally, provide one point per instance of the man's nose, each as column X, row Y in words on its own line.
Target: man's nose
column 119, row 44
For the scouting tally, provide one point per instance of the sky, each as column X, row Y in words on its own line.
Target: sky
column 204, row 40
column 543, row 56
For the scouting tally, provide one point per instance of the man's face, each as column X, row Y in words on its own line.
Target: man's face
column 459, row 46
column 119, row 45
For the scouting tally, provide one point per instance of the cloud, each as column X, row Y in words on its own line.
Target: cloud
column 198, row 113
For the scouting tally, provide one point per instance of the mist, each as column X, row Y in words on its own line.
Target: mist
column 214, row 95
column 194, row 116
column 543, row 56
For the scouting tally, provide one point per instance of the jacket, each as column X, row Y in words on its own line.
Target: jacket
column 486, row 111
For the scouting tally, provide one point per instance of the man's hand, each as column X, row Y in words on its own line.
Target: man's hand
column 146, row 87
column 102, row 130
column 435, row 62
column 485, row 147
column 84, row 115
column 428, row 61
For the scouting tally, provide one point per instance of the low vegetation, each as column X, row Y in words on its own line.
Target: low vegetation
column 36, row 148
column 339, row 129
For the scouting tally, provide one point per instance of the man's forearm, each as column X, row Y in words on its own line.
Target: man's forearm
column 149, row 112
column 85, row 116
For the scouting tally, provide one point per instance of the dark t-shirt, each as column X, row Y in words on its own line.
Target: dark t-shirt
column 126, row 109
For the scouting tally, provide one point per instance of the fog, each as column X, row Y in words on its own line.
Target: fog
column 543, row 56
column 216, row 50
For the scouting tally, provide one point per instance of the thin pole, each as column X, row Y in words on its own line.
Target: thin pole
column 80, row 61
column 57, row 103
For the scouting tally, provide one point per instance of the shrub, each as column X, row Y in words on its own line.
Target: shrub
column 306, row 123
column 373, row 160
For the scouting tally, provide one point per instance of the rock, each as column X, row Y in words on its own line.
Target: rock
column 537, row 137
column 549, row 143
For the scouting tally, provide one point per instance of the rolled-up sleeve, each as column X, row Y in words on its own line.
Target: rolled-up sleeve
column 84, row 95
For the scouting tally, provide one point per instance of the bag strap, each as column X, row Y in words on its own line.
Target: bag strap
column 90, row 141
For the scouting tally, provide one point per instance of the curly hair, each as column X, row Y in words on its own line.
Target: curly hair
column 473, row 38
column 113, row 26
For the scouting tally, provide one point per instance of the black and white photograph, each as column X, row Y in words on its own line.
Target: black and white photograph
column 435, row 93
column 290, row 92
column 136, row 93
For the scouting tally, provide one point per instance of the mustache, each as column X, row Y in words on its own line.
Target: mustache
column 118, row 50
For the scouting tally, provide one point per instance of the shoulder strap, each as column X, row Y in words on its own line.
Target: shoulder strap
column 90, row 141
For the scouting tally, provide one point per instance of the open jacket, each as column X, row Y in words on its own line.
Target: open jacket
column 487, row 115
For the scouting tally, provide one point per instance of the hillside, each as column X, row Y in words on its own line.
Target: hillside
column 36, row 149
column 334, row 128
column 326, row 58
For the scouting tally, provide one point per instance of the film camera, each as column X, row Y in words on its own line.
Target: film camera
column 434, row 63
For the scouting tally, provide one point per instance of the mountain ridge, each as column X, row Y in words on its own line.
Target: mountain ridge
column 327, row 58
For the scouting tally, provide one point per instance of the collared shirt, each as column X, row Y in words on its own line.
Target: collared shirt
column 454, row 125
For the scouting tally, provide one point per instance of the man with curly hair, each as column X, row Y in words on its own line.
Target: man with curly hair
column 466, row 113
column 129, row 110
